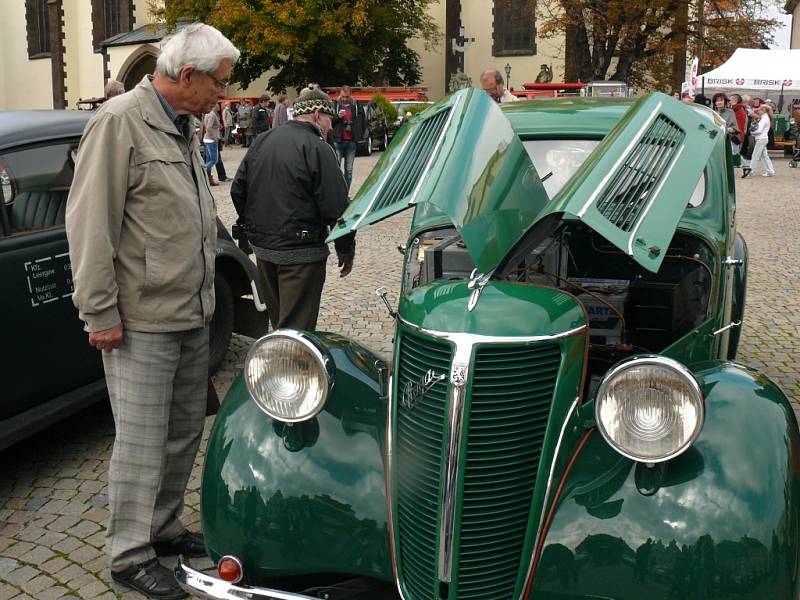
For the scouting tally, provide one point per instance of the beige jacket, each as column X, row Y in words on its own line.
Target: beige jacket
column 141, row 228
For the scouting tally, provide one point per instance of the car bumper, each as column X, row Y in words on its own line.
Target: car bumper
column 205, row 586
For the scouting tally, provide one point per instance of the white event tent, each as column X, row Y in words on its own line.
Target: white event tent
column 761, row 73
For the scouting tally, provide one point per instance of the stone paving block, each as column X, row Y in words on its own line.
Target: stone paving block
column 5, row 542
column 96, row 514
column 21, row 516
column 51, row 538
column 64, row 494
column 7, row 591
column 91, row 486
column 15, row 503
column 98, row 565
column 98, row 540
column 84, row 554
column 37, row 584
column 38, row 555
column 69, row 573
column 63, row 523
column 55, row 565
column 67, row 545
column 23, row 597
column 83, row 529
column 93, row 589
column 7, row 565
column 18, row 550
column 30, row 533
column 22, row 575
column 53, row 593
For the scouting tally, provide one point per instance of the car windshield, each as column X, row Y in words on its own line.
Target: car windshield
column 556, row 161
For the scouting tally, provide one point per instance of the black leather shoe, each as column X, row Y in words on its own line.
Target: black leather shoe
column 189, row 544
column 152, row 579
column 745, row 172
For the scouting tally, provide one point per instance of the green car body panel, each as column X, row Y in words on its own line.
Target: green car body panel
column 476, row 469
column 308, row 498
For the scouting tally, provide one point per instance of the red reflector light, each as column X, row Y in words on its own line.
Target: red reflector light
column 229, row 569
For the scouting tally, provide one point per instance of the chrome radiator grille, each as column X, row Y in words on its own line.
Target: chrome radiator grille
column 512, row 389
column 420, row 441
column 507, row 408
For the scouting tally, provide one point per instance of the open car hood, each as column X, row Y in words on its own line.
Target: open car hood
column 463, row 156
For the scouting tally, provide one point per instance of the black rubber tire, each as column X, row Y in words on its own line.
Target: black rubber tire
column 221, row 327
column 385, row 141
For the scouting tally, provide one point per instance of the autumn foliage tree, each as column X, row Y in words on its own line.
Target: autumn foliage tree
column 325, row 41
column 644, row 42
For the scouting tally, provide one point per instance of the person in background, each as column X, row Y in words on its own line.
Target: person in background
column 760, row 130
column 261, row 116
column 493, row 84
column 687, row 98
column 114, row 88
column 348, row 127
column 211, row 137
column 246, row 123
column 720, row 103
column 703, row 100
column 271, row 109
column 229, row 122
column 287, row 192
column 281, row 116
column 141, row 227
column 737, row 106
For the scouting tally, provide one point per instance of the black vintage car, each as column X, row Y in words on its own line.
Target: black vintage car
column 48, row 367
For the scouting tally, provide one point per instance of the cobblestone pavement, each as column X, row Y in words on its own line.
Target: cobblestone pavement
column 53, row 485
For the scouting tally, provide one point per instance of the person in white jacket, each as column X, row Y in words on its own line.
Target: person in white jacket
column 760, row 131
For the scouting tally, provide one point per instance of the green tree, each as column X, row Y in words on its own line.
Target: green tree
column 644, row 42
column 330, row 42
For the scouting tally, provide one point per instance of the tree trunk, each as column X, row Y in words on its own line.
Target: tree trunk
column 679, row 38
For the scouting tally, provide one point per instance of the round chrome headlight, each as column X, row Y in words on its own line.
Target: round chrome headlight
column 650, row 409
column 287, row 376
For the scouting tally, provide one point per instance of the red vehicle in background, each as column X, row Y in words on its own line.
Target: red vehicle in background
column 532, row 91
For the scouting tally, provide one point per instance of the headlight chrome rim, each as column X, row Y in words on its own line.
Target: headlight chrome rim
column 314, row 350
column 663, row 362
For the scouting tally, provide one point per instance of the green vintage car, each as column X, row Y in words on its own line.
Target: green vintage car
column 563, row 417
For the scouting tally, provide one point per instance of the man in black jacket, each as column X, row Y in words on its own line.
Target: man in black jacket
column 288, row 192
column 261, row 115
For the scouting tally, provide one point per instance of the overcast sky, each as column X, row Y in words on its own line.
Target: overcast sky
column 781, row 34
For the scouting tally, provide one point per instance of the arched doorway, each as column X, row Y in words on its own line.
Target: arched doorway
column 140, row 63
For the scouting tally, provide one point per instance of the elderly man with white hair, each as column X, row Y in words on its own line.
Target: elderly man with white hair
column 141, row 226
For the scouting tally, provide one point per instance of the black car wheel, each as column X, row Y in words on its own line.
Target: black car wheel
column 221, row 327
column 385, row 141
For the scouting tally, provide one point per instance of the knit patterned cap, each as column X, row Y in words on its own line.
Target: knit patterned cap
column 312, row 98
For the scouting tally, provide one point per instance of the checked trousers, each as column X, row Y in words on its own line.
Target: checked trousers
column 157, row 384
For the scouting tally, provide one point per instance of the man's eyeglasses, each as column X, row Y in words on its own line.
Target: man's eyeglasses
column 221, row 84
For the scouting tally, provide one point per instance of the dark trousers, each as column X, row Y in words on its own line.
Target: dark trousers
column 219, row 165
column 293, row 293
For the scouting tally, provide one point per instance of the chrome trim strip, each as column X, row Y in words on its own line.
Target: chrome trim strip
column 389, row 171
column 652, row 201
column 205, row 586
column 422, row 177
column 461, row 339
column 622, row 157
column 459, row 375
column 547, row 491
column 389, row 488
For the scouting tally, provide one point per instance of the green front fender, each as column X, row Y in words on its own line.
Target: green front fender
column 720, row 521
column 304, row 499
